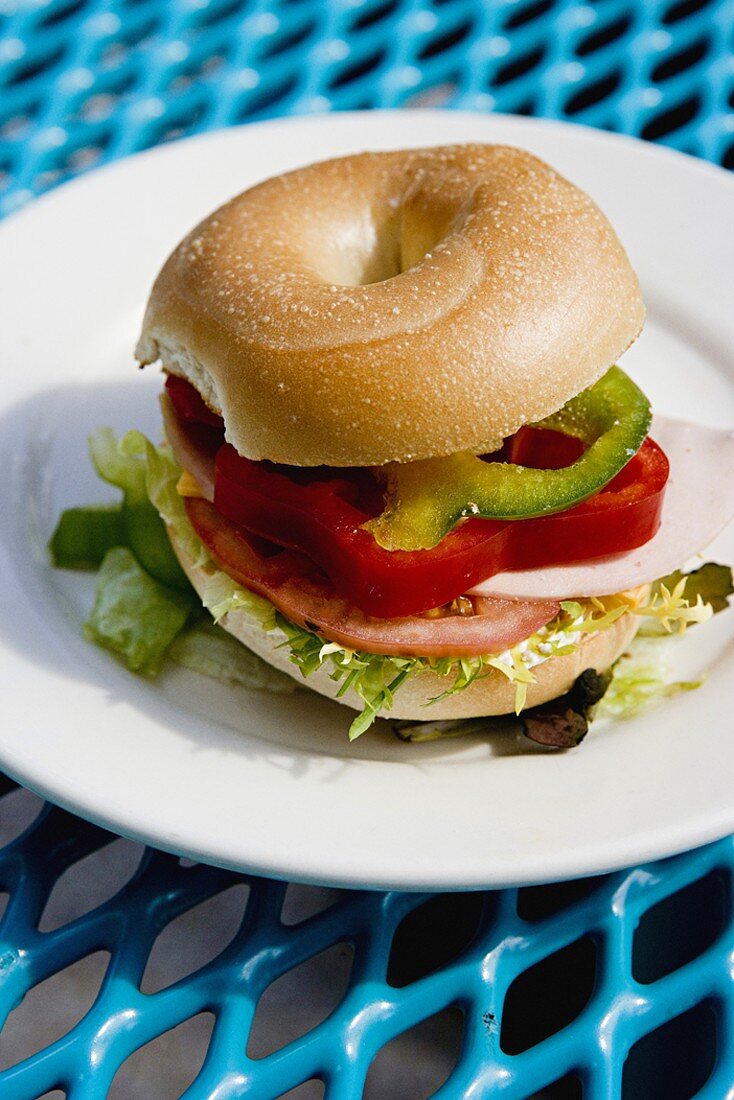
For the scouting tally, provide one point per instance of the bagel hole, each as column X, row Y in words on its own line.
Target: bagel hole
column 382, row 250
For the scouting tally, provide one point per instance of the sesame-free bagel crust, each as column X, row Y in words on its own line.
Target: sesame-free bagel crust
column 394, row 306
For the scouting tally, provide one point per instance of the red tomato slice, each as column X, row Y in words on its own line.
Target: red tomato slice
column 320, row 512
column 189, row 403
column 292, row 584
column 323, row 520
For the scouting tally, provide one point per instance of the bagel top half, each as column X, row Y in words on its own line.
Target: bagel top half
column 394, row 306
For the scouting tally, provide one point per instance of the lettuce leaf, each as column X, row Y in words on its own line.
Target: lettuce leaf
column 207, row 649
column 138, row 467
column 83, row 536
column 127, row 465
column 133, row 615
column 641, row 680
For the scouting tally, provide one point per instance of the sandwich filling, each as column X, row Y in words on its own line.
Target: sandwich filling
column 292, row 549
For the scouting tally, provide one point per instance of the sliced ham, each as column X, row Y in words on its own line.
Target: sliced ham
column 289, row 580
column 194, row 446
column 699, row 502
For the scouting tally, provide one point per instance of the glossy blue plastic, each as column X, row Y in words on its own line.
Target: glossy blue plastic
column 640, row 1002
column 629, row 955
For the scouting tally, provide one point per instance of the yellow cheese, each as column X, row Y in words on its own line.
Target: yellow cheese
column 188, row 486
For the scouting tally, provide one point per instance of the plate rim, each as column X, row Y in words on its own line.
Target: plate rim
column 658, row 843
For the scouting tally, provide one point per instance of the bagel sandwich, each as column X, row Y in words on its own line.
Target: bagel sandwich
column 401, row 463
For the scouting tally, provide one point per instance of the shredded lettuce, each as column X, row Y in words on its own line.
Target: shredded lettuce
column 671, row 609
column 375, row 678
column 641, row 679
column 711, row 581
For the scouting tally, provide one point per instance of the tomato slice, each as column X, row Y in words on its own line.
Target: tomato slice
column 320, row 512
column 292, row 584
column 189, row 404
column 324, row 520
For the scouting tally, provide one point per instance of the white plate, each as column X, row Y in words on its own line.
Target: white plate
column 269, row 783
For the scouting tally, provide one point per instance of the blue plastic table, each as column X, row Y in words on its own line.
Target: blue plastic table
column 619, row 986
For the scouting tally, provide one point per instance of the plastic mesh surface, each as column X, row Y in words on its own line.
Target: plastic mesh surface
column 619, row 986
column 84, row 81
column 616, row 987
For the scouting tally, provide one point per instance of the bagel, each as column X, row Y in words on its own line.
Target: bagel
column 394, row 306
column 491, row 695
column 378, row 309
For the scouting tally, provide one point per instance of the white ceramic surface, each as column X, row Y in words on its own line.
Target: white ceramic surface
column 271, row 783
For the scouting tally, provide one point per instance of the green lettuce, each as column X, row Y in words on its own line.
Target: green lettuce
column 133, row 615
column 137, row 617
column 641, row 679
column 128, row 467
column 207, row 649
column 375, row 678
column 149, row 475
column 84, row 535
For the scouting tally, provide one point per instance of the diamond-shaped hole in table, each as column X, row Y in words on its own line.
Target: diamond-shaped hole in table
column 589, row 95
column 52, row 1008
column 683, row 9
column 372, row 15
column 165, row 1067
column 40, row 65
column 60, row 13
column 18, row 809
column 194, row 938
column 518, row 67
column 548, row 996
column 603, row 36
column 136, row 33
column 177, row 125
column 431, row 1049
column 686, row 58
column 212, row 15
column 527, row 13
column 299, row 1000
column 291, row 40
column 567, row 1088
column 90, row 882
column 302, row 902
column 447, row 41
column 676, row 1060
column 269, row 97
column 536, row 903
column 433, row 935
column 357, row 70
column 680, row 927
column 675, row 118
column 309, row 1090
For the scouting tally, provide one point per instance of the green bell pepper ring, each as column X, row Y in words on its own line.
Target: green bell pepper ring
column 426, row 499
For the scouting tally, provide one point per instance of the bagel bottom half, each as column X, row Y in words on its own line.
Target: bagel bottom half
column 490, row 695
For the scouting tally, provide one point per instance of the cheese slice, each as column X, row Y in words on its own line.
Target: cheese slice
column 699, row 502
column 188, row 486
